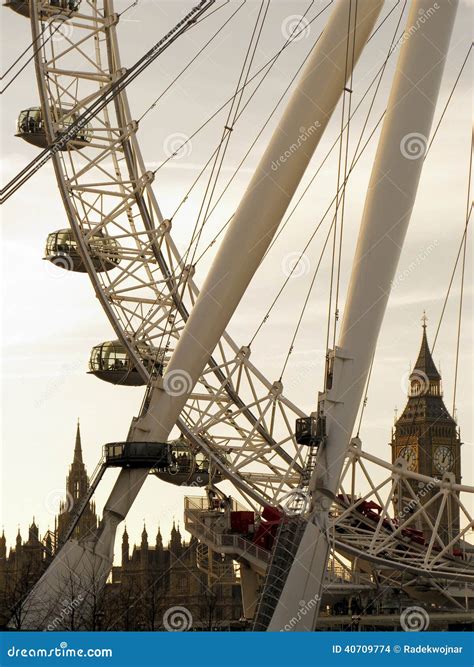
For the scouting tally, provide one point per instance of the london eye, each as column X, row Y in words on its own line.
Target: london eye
column 210, row 417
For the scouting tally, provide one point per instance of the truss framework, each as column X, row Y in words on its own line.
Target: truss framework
column 362, row 525
column 242, row 420
column 234, row 412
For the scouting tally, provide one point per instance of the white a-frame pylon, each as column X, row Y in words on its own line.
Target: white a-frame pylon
column 390, row 199
column 248, row 237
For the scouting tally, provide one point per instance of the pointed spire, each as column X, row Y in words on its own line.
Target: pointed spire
column 78, row 445
column 33, row 530
column 125, row 547
column 425, row 362
column 144, row 544
column 159, row 538
column 175, row 541
column 3, row 546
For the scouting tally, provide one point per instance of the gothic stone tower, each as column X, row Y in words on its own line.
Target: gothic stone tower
column 77, row 483
column 426, row 436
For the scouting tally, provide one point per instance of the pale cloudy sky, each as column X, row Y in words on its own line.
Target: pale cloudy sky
column 50, row 319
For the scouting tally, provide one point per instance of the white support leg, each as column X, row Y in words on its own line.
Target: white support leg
column 263, row 206
column 259, row 215
column 390, row 199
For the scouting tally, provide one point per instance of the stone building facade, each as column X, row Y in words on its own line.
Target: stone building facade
column 155, row 586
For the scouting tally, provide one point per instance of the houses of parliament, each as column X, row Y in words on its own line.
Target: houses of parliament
column 152, row 577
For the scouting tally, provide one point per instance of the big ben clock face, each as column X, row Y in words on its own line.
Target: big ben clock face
column 443, row 458
column 410, row 454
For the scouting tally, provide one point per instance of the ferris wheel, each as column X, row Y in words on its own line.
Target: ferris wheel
column 119, row 237
column 228, row 421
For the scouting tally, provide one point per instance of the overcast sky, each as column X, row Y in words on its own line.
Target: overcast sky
column 51, row 319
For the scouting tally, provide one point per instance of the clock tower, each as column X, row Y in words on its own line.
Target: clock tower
column 427, row 437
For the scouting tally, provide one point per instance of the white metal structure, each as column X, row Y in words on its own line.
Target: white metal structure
column 390, row 199
column 211, row 390
column 149, row 295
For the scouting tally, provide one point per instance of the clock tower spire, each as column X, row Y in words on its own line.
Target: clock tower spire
column 427, row 438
